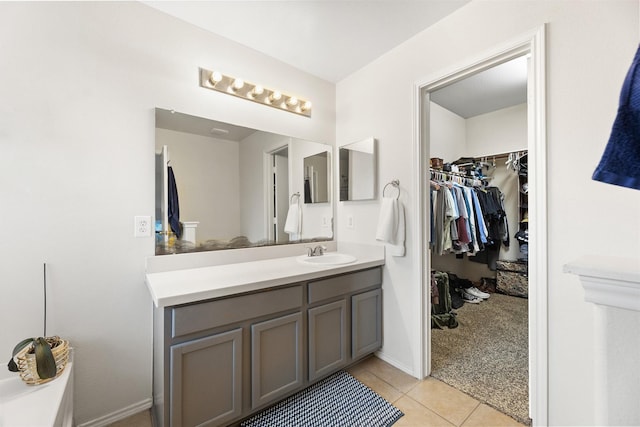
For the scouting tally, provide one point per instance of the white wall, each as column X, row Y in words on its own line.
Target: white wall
column 81, row 82
column 498, row 132
column 448, row 134
column 584, row 77
column 208, row 181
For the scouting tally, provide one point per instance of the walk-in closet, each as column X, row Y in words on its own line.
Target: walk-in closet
column 478, row 237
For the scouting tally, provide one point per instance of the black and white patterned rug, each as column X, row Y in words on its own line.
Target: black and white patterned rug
column 337, row 401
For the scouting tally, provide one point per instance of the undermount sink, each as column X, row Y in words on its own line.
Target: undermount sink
column 329, row 258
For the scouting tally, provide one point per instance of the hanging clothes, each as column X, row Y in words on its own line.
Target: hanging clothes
column 469, row 220
column 174, row 205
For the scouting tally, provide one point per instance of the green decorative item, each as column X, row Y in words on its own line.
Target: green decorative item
column 39, row 360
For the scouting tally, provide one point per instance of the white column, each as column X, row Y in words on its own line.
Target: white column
column 613, row 285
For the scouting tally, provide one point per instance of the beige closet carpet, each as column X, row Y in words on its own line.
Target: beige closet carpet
column 486, row 356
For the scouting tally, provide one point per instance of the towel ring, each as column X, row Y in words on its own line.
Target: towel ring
column 294, row 195
column 395, row 183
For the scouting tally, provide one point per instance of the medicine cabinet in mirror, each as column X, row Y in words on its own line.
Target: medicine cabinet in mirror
column 221, row 186
column 357, row 165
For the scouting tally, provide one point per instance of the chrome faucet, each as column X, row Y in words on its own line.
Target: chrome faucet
column 317, row 251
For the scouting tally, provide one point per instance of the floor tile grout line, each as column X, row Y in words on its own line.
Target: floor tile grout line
column 418, row 382
column 433, row 410
column 470, row 413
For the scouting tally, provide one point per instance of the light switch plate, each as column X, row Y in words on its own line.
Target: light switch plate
column 350, row 221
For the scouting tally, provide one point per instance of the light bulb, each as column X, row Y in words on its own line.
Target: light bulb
column 275, row 96
column 257, row 90
column 237, row 84
column 306, row 106
column 292, row 101
column 216, row 77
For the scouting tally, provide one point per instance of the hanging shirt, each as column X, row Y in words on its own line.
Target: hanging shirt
column 482, row 227
column 472, row 218
column 449, row 219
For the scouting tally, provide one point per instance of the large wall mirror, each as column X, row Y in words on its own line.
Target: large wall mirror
column 221, row 186
column 357, row 164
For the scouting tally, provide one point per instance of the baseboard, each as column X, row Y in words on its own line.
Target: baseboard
column 118, row 415
column 381, row 355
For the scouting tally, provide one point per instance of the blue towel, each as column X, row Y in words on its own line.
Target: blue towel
column 174, row 206
column 620, row 162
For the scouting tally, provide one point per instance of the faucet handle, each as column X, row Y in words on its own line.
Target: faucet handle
column 309, row 252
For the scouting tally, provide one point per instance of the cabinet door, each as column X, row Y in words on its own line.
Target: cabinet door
column 327, row 338
column 206, row 379
column 276, row 358
column 366, row 323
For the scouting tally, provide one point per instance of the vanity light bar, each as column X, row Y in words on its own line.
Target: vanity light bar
column 215, row 80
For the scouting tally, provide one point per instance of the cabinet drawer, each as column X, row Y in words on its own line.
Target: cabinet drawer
column 345, row 284
column 199, row 317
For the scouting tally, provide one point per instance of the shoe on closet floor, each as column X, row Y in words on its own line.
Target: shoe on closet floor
column 470, row 298
column 477, row 293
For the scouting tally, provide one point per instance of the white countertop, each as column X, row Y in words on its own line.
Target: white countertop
column 190, row 285
column 36, row 405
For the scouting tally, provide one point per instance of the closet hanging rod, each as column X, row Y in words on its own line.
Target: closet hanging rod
column 468, row 180
column 503, row 155
column 460, row 174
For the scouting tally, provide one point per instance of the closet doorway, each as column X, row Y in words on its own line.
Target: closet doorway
column 435, row 141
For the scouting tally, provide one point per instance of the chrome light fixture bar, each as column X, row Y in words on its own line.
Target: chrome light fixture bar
column 215, row 80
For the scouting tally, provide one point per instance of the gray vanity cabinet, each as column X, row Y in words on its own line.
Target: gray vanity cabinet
column 366, row 323
column 202, row 391
column 218, row 361
column 328, row 333
column 345, row 320
column 276, row 358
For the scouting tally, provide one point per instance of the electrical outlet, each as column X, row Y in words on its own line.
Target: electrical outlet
column 142, row 226
column 350, row 221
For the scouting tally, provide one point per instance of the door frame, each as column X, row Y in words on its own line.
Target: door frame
column 269, row 190
column 533, row 45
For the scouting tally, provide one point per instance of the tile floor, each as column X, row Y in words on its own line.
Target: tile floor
column 429, row 402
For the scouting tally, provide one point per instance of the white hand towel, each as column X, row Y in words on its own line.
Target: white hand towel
column 391, row 229
column 294, row 220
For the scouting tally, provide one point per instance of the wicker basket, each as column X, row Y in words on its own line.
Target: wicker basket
column 26, row 360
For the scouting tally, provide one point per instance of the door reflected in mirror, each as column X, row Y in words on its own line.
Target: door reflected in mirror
column 357, row 164
column 221, row 186
column 316, row 178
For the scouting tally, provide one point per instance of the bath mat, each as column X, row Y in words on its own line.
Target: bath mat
column 339, row 400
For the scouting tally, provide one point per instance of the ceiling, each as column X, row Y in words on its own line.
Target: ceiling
column 180, row 122
column 331, row 39
column 499, row 87
column 328, row 38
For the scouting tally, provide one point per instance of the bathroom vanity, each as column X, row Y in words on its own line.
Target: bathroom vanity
column 230, row 340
